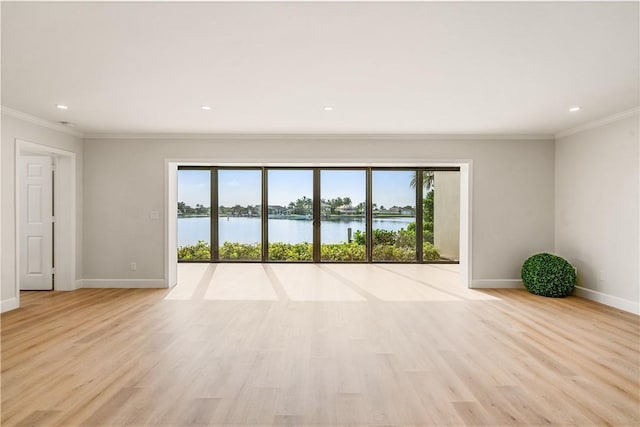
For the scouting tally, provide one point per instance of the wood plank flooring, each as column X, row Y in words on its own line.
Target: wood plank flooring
column 317, row 345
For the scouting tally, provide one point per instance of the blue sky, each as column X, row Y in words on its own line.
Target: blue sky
column 242, row 187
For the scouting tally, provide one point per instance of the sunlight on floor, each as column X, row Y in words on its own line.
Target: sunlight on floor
column 321, row 282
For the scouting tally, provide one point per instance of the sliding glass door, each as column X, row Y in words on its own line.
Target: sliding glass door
column 343, row 215
column 194, row 214
column 239, row 214
column 442, row 217
column 313, row 214
column 394, row 215
column 290, row 205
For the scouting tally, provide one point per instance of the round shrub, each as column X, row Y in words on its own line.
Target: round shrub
column 548, row 275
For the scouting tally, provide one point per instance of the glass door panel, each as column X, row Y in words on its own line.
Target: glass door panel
column 441, row 216
column 290, row 214
column 239, row 214
column 394, row 215
column 343, row 215
column 194, row 215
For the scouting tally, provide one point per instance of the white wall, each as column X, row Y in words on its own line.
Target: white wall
column 12, row 129
column 578, row 198
column 124, row 181
column 596, row 218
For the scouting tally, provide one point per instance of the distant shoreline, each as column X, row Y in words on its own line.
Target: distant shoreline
column 298, row 217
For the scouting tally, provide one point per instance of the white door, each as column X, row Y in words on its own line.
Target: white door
column 36, row 220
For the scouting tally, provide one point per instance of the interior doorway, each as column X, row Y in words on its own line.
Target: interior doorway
column 36, row 236
column 45, row 212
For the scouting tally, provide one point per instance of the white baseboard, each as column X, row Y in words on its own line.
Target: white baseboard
column 496, row 284
column 123, row 283
column 9, row 304
column 606, row 299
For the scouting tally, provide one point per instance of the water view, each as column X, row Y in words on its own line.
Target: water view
column 245, row 230
column 242, row 196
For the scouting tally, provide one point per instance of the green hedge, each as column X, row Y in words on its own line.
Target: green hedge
column 279, row 251
column 548, row 275
column 343, row 252
column 231, row 251
column 197, row 252
column 430, row 252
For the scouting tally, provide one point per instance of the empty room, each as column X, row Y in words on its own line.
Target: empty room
column 320, row 213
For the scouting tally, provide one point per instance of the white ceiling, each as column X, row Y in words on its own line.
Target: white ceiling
column 462, row 68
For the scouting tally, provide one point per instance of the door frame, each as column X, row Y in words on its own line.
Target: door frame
column 65, row 226
column 171, row 199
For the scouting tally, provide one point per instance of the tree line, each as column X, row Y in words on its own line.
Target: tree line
column 198, row 210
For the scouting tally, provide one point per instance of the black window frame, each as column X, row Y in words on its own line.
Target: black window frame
column 316, row 170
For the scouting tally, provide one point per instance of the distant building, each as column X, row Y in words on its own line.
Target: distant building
column 346, row 209
column 277, row 210
column 408, row 210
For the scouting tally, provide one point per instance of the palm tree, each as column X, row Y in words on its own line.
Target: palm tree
column 427, row 181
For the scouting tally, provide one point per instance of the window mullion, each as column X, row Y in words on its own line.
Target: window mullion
column 215, row 256
column 316, row 215
column 419, row 217
column 265, row 216
column 369, row 216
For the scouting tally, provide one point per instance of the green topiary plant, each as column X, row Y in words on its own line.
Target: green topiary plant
column 548, row 275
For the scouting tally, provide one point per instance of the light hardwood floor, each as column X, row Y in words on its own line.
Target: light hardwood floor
column 317, row 345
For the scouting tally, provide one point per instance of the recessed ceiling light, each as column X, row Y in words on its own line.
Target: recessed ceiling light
column 62, row 107
column 328, row 108
column 575, row 108
column 205, row 107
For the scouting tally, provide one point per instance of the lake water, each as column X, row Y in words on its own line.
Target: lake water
column 247, row 230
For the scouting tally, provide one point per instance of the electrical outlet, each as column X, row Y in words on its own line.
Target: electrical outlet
column 154, row 215
column 133, row 266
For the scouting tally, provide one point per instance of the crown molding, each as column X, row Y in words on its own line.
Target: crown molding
column 598, row 123
column 275, row 136
column 314, row 136
column 39, row 121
